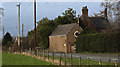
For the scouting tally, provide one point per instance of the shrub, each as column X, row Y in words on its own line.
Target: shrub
column 98, row 43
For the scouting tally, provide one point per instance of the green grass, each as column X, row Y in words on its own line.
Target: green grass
column 0, row 58
column 15, row 59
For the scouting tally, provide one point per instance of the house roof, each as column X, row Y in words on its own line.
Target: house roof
column 100, row 22
column 63, row 30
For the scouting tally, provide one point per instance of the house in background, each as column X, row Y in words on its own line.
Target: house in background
column 63, row 37
column 99, row 24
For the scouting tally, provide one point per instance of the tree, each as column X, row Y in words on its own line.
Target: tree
column 7, row 40
column 69, row 16
column 30, row 38
column 112, row 9
column 45, row 27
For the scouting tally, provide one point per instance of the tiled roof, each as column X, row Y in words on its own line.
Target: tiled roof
column 100, row 22
column 63, row 30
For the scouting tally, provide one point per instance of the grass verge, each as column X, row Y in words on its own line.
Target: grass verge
column 15, row 59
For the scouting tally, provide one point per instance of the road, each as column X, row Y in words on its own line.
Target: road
column 94, row 57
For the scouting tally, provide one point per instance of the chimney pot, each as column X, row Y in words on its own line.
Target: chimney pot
column 85, row 6
column 105, row 13
column 84, row 17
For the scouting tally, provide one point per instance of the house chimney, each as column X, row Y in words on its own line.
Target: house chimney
column 105, row 13
column 84, row 17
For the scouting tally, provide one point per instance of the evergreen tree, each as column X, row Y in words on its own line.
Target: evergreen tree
column 7, row 40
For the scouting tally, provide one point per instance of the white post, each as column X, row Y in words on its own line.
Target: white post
column 18, row 24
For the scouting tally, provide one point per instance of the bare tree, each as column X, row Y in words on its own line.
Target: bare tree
column 112, row 11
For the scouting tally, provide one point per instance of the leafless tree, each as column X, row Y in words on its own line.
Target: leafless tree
column 112, row 10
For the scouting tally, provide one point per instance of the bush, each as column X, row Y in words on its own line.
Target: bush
column 98, row 43
column 7, row 40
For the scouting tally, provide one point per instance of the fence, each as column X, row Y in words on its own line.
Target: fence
column 62, row 59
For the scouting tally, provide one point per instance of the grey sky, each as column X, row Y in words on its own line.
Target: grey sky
column 44, row 9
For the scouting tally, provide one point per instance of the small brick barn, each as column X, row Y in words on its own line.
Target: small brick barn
column 63, row 37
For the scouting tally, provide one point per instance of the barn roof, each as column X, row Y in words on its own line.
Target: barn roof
column 63, row 30
column 100, row 22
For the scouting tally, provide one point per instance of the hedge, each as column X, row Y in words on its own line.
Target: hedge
column 105, row 43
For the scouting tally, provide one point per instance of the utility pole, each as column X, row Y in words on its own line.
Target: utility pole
column 22, row 29
column 34, row 24
column 78, row 19
column 3, row 31
column 1, row 14
column 18, row 25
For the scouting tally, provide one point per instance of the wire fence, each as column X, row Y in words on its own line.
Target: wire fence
column 63, row 58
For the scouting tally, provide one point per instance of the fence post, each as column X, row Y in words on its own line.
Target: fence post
column 9, row 49
column 65, row 59
column 48, row 54
column 80, row 62
column 25, row 51
column 32, row 52
column 21, row 50
column 60, row 60
column 40, row 53
column 44, row 54
column 109, row 62
column 88, row 62
column 116, row 65
column 29, row 50
column 37, row 52
column 71, row 59
column 53, row 56
column 100, row 63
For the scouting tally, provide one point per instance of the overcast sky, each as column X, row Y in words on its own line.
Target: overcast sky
column 44, row 9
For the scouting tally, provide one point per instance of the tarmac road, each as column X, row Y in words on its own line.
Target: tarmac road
column 95, row 57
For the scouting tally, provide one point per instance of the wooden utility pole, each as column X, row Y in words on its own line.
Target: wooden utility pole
column 22, row 29
column 34, row 24
column 3, row 31
column 78, row 18
column 1, row 14
column 18, row 25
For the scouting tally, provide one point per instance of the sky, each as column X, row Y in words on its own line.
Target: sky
column 44, row 9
